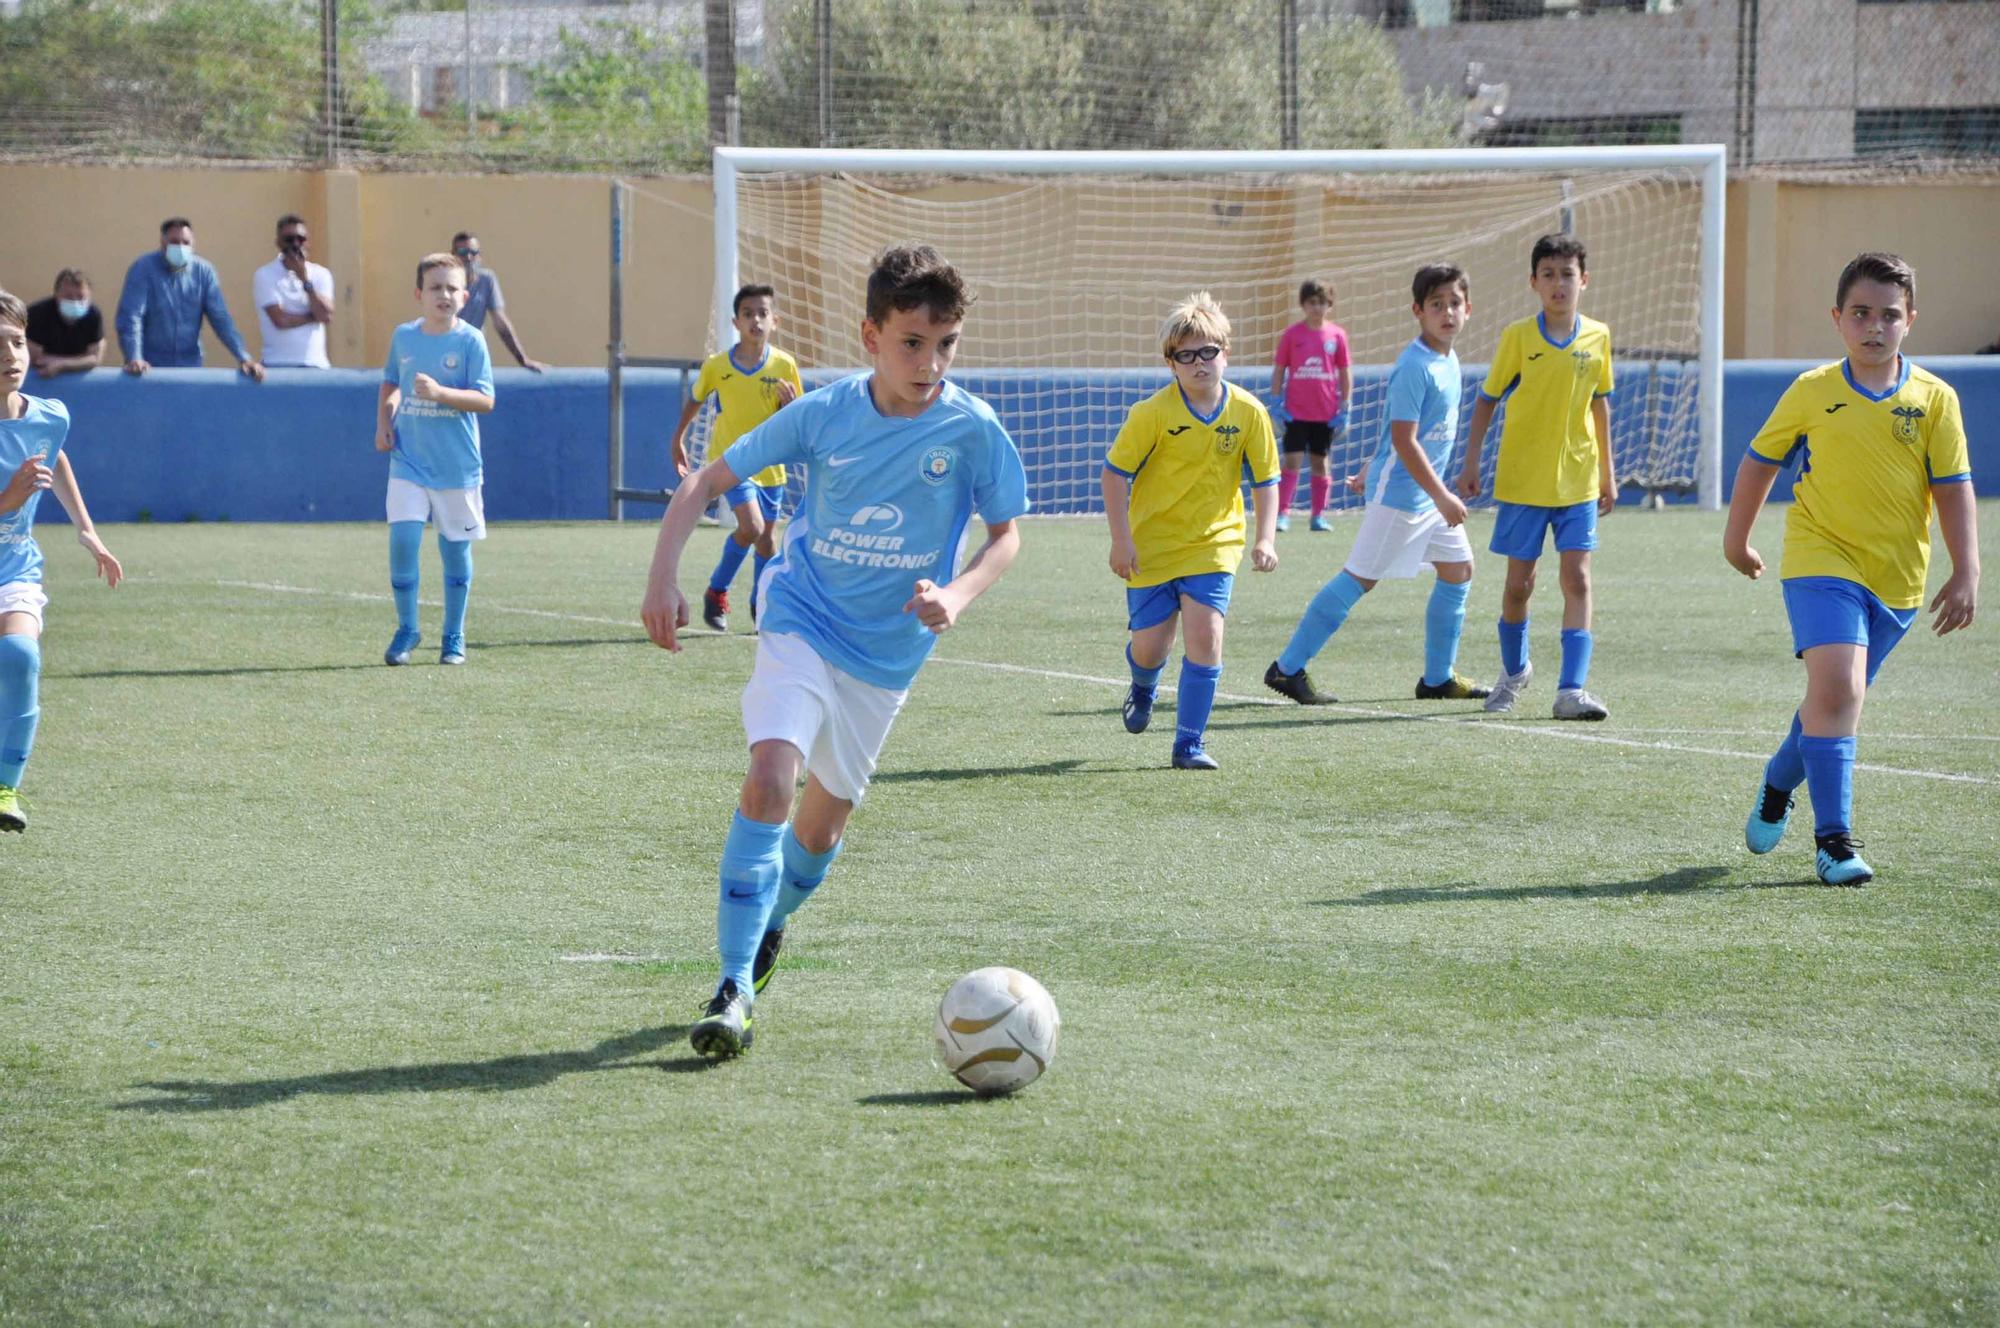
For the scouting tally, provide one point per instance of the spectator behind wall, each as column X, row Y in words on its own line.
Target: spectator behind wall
column 166, row 296
column 483, row 296
column 294, row 301
column 66, row 331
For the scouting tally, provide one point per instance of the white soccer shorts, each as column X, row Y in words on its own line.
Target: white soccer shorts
column 838, row 721
column 459, row 514
column 23, row 597
column 1393, row 544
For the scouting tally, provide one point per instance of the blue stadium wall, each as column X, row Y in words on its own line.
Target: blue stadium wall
column 209, row 445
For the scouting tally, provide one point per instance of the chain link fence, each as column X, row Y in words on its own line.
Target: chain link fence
column 646, row 87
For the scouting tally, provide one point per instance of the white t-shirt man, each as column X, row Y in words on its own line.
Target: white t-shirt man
column 301, row 347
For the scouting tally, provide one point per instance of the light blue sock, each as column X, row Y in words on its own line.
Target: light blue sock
column 1786, row 769
column 1144, row 678
column 1830, row 779
column 1197, row 698
column 1444, row 623
column 728, row 564
column 1576, row 658
column 757, row 580
column 406, row 544
column 1322, row 619
column 1513, row 645
column 457, row 558
column 20, row 703
column 801, row 876
column 751, row 864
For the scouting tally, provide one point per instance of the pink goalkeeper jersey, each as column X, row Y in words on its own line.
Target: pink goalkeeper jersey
column 1312, row 359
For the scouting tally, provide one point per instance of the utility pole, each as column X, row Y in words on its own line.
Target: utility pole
column 823, row 60
column 329, row 78
column 721, row 70
column 1288, row 73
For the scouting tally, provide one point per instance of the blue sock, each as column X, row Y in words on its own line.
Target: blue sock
column 1197, row 698
column 1322, row 619
column 1513, row 645
column 1444, row 623
column 457, row 558
column 1830, row 778
column 1787, row 768
column 1147, row 680
column 1576, row 658
column 757, row 580
column 728, row 564
column 20, row 703
column 801, row 876
column 406, row 542
column 751, row 865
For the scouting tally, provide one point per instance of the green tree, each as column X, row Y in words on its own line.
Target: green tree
column 617, row 95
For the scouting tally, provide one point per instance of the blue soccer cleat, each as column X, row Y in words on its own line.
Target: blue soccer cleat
column 1768, row 820
column 1190, row 756
column 400, row 646
column 453, row 651
column 1139, row 708
column 1284, row 523
column 1321, row 524
column 1839, row 863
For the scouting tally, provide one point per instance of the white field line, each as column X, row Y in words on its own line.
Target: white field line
column 1478, row 724
column 612, row 959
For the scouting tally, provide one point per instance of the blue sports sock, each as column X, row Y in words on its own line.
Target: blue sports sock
column 1322, row 619
column 1197, row 698
column 1576, row 658
column 803, row 871
column 20, row 703
column 1786, row 769
column 751, row 864
column 757, row 580
column 1830, row 778
column 728, row 564
column 457, row 558
column 1143, row 678
column 1444, row 623
column 1513, row 645
column 406, row 542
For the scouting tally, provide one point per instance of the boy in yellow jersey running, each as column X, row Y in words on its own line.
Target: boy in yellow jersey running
column 1173, row 495
column 1554, row 469
column 1878, row 441
column 750, row 382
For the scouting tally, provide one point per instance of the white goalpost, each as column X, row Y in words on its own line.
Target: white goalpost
column 1075, row 256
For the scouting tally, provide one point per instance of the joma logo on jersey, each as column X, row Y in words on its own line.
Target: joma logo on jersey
column 1906, row 422
column 1178, row 430
column 1225, row 439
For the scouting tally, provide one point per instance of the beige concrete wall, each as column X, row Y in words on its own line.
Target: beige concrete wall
column 548, row 236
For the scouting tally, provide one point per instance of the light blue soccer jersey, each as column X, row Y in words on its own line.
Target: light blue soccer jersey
column 436, row 446
column 886, row 503
column 41, row 429
column 1423, row 389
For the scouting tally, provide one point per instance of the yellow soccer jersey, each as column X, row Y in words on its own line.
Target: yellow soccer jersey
column 744, row 399
column 1187, row 480
column 1548, row 443
column 1861, row 506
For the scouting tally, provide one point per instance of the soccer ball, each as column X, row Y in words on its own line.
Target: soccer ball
column 997, row 1030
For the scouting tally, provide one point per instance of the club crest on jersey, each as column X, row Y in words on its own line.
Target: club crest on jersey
column 1225, row 439
column 1906, row 422
column 451, row 361
column 936, row 465
column 1581, row 359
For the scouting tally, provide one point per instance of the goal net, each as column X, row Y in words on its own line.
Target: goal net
column 1074, row 259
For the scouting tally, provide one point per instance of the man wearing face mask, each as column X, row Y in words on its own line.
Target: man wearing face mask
column 166, row 296
column 294, row 301
column 66, row 331
column 483, row 296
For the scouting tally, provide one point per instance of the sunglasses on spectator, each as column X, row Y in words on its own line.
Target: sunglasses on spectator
column 298, row 237
column 1202, row 353
column 468, row 253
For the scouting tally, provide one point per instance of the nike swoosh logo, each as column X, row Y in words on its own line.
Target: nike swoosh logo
column 1175, row 433
column 841, row 461
column 1838, row 405
column 734, row 893
column 1536, row 356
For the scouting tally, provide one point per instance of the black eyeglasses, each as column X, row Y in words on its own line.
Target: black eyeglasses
column 1202, row 353
column 292, row 239
column 468, row 253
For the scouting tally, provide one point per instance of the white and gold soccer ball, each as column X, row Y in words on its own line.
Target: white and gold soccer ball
column 997, row 1030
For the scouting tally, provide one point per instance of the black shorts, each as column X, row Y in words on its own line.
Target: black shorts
column 1314, row 436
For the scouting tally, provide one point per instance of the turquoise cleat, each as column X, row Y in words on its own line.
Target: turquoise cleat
column 1284, row 523
column 454, row 649
column 1768, row 820
column 1839, row 863
column 400, row 646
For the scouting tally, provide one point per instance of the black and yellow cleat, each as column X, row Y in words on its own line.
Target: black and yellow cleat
column 1298, row 686
column 767, row 959
column 12, row 816
column 724, row 1028
column 1457, row 687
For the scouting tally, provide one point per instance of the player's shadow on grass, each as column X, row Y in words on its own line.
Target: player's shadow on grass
column 1068, row 766
column 499, row 1075
column 252, row 670
column 937, row 1097
column 1685, row 880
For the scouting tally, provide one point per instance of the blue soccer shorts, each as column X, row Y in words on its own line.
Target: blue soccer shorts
column 1832, row 611
column 1521, row 527
column 1149, row 606
column 768, row 498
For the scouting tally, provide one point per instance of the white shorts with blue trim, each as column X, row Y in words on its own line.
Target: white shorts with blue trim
column 1394, row 544
column 459, row 514
column 837, row 721
column 23, row 597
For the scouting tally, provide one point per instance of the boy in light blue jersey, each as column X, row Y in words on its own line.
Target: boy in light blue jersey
column 437, row 379
column 1411, row 518
column 898, row 461
column 32, row 432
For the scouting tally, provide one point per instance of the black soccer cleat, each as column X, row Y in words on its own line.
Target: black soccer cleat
column 1298, row 686
column 767, row 959
column 724, row 1028
column 1457, row 687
